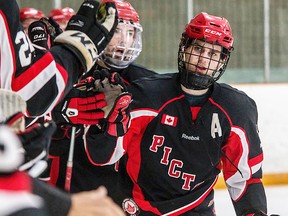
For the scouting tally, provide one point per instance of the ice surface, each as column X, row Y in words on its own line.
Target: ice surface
column 277, row 201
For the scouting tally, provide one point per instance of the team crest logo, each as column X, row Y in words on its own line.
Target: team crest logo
column 130, row 207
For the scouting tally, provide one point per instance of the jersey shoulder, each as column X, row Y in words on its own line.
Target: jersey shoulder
column 10, row 15
column 233, row 100
column 134, row 72
column 155, row 90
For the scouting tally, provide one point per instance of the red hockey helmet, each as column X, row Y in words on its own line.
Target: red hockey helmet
column 119, row 56
column 61, row 14
column 125, row 11
column 204, row 29
column 27, row 13
column 211, row 28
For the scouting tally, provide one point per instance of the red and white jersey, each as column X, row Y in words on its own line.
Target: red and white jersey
column 38, row 76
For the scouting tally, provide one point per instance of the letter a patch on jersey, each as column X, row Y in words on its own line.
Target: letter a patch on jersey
column 169, row 120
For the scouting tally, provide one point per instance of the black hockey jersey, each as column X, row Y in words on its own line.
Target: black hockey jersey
column 86, row 175
column 38, row 76
column 173, row 160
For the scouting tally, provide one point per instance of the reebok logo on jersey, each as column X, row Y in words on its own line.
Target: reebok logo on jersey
column 185, row 136
column 169, row 120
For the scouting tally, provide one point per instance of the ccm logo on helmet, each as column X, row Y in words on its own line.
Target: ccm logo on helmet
column 213, row 32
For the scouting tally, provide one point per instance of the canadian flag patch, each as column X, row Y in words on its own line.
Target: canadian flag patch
column 169, row 120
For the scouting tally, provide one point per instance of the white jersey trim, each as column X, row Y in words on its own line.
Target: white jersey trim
column 236, row 183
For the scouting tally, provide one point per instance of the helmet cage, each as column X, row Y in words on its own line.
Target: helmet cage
column 119, row 56
column 192, row 79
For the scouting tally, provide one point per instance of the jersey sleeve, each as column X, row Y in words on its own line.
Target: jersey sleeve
column 58, row 202
column 101, row 148
column 40, row 77
column 242, row 162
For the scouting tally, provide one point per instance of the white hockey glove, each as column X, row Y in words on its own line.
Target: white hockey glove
column 89, row 31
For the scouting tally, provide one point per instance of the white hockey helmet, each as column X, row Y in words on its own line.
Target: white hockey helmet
column 126, row 43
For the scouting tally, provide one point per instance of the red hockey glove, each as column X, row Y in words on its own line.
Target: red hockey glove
column 116, row 112
column 89, row 31
column 111, row 84
column 82, row 105
column 119, row 116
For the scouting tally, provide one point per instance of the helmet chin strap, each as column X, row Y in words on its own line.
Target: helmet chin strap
column 194, row 81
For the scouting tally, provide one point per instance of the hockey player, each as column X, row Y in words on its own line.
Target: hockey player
column 15, row 198
column 61, row 16
column 41, row 78
column 19, row 193
column 29, row 15
column 121, row 52
column 185, row 128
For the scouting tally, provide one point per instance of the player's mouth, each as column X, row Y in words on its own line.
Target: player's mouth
column 201, row 69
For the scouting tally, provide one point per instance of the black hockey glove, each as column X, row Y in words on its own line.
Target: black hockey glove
column 89, row 31
column 39, row 35
column 36, row 140
column 53, row 27
column 82, row 105
column 113, row 78
column 43, row 32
